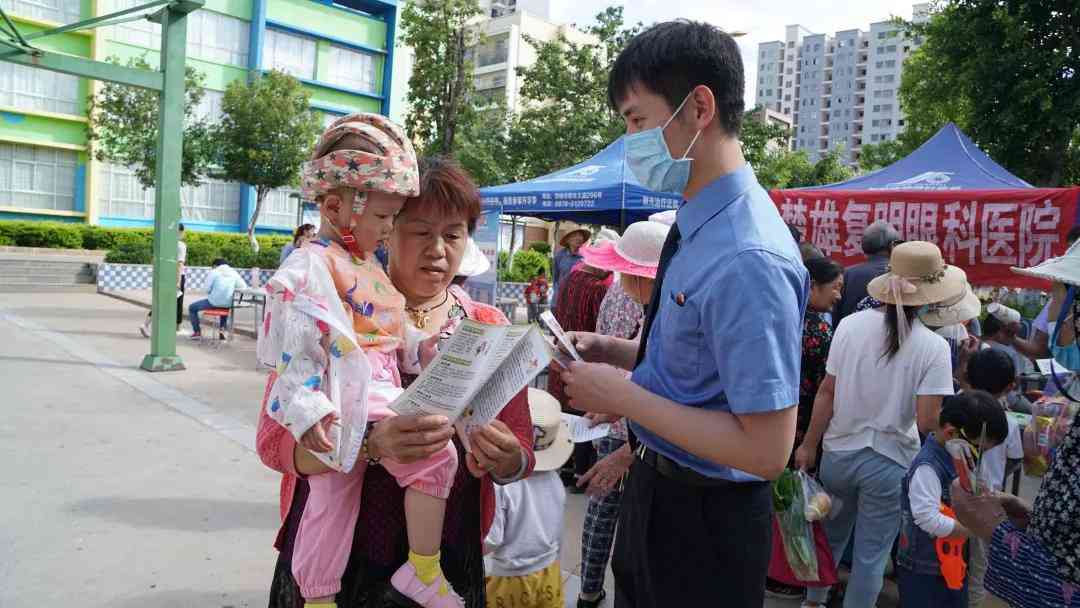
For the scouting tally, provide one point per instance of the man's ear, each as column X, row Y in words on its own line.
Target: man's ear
column 702, row 104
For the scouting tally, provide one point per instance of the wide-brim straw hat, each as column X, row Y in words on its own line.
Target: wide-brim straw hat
column 584, row 231
column 637, row 252
column 917, row 275
column 552, row 445
column 1064, row 269
column 960, row 309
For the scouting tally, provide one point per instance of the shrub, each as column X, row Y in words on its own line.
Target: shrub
column 526, row 264
column 135, row 245
column 540, row 247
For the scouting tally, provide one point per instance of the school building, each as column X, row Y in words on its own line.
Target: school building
column 341, row 50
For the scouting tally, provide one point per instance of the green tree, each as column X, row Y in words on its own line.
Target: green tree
column 785, row 169
column 123, row 127
column 442, row 78
column 1006, row 72
column 566, row 118
column 265, row 135
column 760, row 137
column 485, row 149
column 875, row 156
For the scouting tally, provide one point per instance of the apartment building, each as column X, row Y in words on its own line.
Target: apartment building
column 841, row 90
column 340, row 50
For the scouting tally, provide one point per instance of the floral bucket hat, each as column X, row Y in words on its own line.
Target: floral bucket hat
column 390, row 168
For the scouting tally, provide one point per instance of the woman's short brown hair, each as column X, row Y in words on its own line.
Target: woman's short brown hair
column 446, row 189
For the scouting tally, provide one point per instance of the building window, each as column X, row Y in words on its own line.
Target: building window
column 352, row 69
column 121, row 195
column 891, row 48
column 495, row 50
column 279, row 208
column 218, row 38
column 328, row 118
column 36, row 89
column 763, row 54
column 35, row 177
column 209, row 107
column 140, row 32
column 59, row 11
column 211, row 36
column 294, row 55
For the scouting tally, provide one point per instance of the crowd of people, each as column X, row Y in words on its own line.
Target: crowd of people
column 720, row 350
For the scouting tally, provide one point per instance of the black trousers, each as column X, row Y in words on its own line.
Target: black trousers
column 179, row 303
column 683, row 545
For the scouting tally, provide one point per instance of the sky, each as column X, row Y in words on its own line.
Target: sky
column 761, row 21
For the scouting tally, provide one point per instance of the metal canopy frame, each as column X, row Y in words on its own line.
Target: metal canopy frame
column 168, row 81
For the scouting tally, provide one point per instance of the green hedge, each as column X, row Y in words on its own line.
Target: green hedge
column 525, row 265
column 135, row 245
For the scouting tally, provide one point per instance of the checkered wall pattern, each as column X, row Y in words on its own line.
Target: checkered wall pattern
column 122, row 277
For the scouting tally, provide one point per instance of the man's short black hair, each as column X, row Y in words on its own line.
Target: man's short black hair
column 991, row 325
column 219, row 262
column 180, row 227
column 673, row 57
column 991, row 371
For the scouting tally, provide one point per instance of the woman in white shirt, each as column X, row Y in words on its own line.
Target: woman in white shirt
column 885, row 378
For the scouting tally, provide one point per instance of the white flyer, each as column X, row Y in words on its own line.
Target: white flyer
column 560, row 334
column 476, row 374
column 581, row 432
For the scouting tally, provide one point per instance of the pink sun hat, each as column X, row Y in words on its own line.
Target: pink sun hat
column 637, row 252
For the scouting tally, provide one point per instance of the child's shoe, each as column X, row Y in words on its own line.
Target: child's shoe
column 408, row 591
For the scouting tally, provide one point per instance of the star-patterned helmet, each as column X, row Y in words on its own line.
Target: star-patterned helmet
column 390, row 167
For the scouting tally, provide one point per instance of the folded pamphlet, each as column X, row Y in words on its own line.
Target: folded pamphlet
column 477, row 372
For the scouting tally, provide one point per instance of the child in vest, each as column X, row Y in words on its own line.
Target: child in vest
column 926, row 488
column 992, row 371
column 335, row 331
column 523, row 543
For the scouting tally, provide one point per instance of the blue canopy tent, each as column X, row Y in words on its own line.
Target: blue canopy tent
column 947, row 161
column 601, row 190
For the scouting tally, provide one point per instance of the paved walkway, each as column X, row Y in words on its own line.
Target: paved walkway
column 124, row 488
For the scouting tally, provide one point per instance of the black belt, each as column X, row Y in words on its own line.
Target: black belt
column 677, row 472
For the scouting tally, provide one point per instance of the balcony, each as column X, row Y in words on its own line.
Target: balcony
column 862, row 57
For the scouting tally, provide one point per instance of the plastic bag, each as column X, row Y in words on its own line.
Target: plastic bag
column 818, row 502
column 791, row 491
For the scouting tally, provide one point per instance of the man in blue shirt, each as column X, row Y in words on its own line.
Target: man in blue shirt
column 223, row 281
column 716, row 380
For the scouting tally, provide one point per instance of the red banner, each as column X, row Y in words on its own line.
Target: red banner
column 985, row 232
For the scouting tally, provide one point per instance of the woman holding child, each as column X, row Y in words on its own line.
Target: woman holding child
column 408, row 469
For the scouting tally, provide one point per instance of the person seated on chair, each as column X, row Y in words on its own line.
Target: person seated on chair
column 223, row 280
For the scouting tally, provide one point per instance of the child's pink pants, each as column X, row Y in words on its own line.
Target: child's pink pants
column 324, row 539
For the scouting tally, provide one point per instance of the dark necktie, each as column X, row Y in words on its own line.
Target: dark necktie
column 671, row 245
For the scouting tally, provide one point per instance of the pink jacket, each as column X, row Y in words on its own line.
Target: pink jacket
column 276, row 445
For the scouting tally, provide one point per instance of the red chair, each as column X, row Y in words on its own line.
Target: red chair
column 218, row 313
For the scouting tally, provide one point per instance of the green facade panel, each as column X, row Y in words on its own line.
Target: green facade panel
column 235, row 8
column 25, row 127
column 321, row 96
column 217, row 75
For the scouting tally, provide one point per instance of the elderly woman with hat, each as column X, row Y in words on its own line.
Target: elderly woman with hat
column 886, row 376
column 1033, row 552
column 635, row 256
column 950, row 320
column 566, row 258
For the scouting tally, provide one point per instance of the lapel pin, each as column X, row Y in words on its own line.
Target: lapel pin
column 680, row 298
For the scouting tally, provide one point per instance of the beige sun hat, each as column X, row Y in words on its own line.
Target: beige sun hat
column 917, row 275
column 1064, row 269
column 552, row 445
column 584, row 231
column 960, row 309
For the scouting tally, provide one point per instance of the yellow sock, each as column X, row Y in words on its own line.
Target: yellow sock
column 428, row 569
column 320, row 604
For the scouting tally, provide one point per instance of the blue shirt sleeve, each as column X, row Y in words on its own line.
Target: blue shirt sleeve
column 754, row 310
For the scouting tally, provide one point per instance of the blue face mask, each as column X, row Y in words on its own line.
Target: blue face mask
column 648, row 157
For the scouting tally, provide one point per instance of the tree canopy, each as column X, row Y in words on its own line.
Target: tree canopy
column 1005, row 71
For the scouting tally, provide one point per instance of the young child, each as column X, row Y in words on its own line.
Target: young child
column 926, row 488
column 523, row 543
column 992, row 371
column 335, row 332
column 536, row 294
